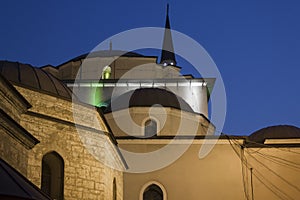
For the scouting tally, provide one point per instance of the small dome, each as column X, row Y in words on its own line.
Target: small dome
column 34, row 78
column 275, row 132
column 147, row 97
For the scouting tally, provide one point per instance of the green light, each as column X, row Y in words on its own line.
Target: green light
column 102, row 104
column 95, row 92
column 95, row 95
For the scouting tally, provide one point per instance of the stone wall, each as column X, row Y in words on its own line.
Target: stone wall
column 83, row 147
column 92, row 67
column 13, row 152
column 12, row 104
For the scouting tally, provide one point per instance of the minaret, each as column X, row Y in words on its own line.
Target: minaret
column 167, row 53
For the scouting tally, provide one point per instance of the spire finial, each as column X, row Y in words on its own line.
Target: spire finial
column 110, row 45
column 167, row 53
column 167, row 8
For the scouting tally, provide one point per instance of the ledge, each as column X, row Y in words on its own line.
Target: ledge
column 17, row 131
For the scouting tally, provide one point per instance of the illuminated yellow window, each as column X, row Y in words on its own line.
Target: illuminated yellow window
column 106, row 72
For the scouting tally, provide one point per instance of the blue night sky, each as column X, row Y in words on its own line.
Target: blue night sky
column 255, row 44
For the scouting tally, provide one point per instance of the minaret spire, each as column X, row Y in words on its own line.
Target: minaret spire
column 167, row 9
column 167, row 53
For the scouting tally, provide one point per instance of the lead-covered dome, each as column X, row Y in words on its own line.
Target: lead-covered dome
column 147, row 97
column 107, row 53
column 275, row 132
column 34, row 78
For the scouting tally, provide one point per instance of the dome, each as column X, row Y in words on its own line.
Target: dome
column 147, row 97
column 275, row 132
column 34, row 78
column 107, row 53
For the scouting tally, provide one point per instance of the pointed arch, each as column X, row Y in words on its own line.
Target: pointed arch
column 153, row 190
column 53, row 175
column 106, row 72
column 150, row 127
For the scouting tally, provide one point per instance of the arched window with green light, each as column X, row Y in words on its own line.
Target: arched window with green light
column 106, row 72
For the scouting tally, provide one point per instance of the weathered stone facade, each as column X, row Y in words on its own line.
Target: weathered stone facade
column 15, row 142
column 13, row 152
column 50, row 120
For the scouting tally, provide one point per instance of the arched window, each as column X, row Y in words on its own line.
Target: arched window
column 153, row 192
column 53, row 175
column 106, row 72
column 150, row 128
column 114, row 189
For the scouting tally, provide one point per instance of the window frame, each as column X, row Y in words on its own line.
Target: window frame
column 49, row 166
column 144, row 126
column 114, row 190
column 145, row 186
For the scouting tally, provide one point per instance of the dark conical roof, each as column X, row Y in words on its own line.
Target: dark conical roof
column 167, row 53
column 275, row 132
column 147, row 97
column 35, row 78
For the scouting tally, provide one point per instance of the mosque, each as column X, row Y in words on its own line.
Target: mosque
column 133, row 131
